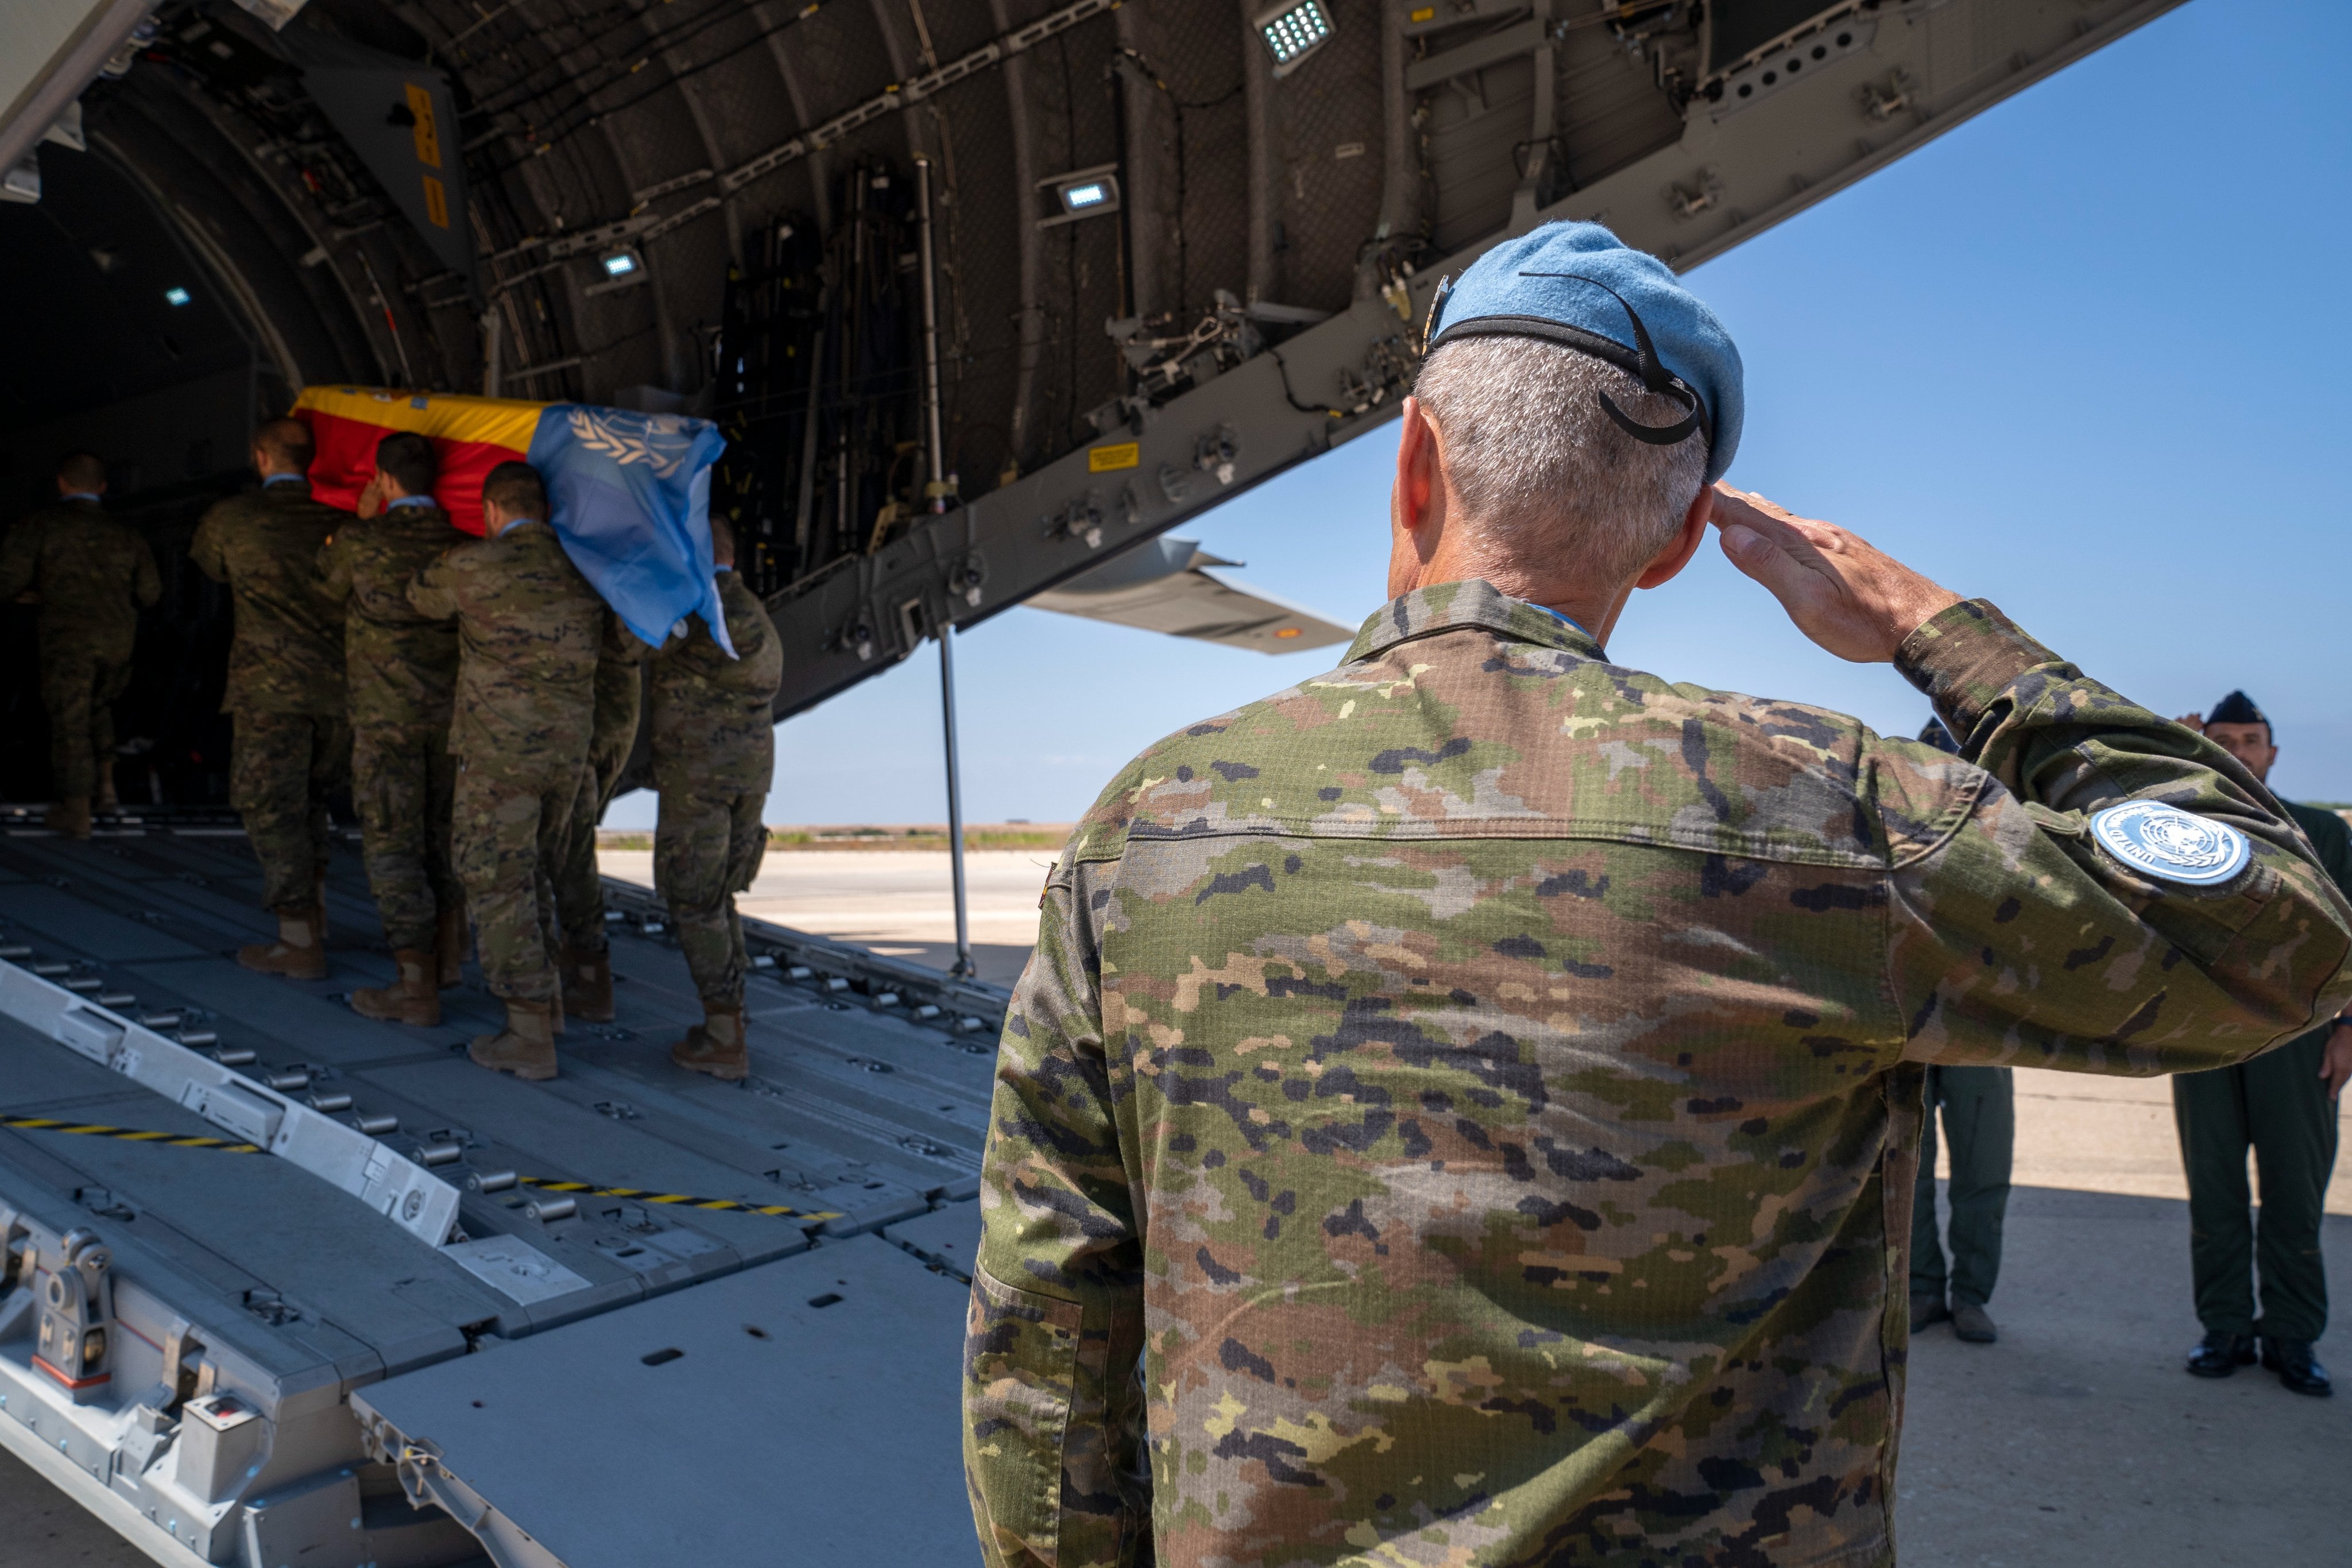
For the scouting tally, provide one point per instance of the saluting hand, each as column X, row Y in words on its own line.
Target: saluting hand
column 1847, row 596
column 371, row 499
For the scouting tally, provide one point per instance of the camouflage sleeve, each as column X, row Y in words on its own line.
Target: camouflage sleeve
column 207, row 550
column 334, row 569
column 146, row 582
column 2016, row 941
column 433, row 591
column 1052, row 1412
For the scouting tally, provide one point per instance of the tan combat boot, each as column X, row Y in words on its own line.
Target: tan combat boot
column 587, row 985
column 412, row 999
column 449, row 943
column 106, row 799
column 299, row 954
column 69, row 818
column 526, row 1047
column 716, row 1046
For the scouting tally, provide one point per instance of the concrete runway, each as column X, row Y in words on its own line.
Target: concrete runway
column 2076, row 1442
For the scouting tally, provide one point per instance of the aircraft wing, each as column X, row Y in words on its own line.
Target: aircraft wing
column 1170, row 585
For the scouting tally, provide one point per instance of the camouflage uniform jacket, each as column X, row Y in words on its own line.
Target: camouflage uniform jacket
column 620, row 698
column 1483, row 1084
column 531, row 630
column 402, row 665
column 714, row 727
column 93, row 574
column 287, row 655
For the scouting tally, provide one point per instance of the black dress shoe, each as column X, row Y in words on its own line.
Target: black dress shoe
column 2218, row 1354
column 2297, row 1367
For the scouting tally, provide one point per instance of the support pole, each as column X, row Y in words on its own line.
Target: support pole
column 936, row 492
column 963, row 964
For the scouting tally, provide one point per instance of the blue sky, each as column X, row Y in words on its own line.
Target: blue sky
column 2083, row 356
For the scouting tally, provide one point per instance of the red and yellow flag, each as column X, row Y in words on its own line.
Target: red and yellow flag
column 470, row 434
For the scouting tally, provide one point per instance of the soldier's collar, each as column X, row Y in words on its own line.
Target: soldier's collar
column 1445, row 606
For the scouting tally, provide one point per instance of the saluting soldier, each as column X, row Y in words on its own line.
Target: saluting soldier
column 403, row 675
column 529, row 628
column 293, row 742
column 2281, row 1106
column 714, row 757
column 91, row 575
column 1464, row 1107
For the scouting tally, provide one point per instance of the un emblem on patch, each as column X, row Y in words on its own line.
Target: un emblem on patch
column 2170, row 844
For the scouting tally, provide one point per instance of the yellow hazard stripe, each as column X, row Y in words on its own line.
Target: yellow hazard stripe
column 642, row 1195
column 586, row 1189
column 127, row 1134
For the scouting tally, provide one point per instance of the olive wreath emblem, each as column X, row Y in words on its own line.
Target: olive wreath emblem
column 599, row 437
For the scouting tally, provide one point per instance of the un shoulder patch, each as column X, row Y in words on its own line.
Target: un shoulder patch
column 2170, row 844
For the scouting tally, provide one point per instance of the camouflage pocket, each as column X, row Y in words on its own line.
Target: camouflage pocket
column 1020, row 1363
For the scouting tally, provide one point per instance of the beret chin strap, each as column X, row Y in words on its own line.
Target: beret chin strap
column 1654, row 377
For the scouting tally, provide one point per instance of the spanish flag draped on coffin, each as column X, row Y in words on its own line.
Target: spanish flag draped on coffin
column 630, row 491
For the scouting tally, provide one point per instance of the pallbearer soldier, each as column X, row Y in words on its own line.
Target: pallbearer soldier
column 1463, row 1107
column 92, row 576
column 530, row 628
column 714, row 745
column 402, row 667
column 587, row 961
column 293, row 740
column 2281, row 1106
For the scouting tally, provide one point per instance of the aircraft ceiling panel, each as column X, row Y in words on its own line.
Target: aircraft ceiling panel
column 1164, row 271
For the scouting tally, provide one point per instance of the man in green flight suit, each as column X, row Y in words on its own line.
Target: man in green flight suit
column 1465, row 1107
column 91, row 575
column 2283, row 1106
column 714, row 745
column 402, row 673
column 531, row 629
column 1979, row 1116
column 293, row 739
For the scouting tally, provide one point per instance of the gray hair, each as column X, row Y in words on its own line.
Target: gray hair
column 1545, row 479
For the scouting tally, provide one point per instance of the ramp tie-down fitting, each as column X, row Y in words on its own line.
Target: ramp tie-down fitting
column 544, row 1184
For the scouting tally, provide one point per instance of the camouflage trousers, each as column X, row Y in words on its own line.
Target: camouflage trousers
column 578, row 892
column 283, row 767
column 80, row 687
column 705, row 851
column 504, row 831
column 403, row 780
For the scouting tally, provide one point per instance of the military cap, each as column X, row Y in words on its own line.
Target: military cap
column 1578, row 285
column 2237, row 708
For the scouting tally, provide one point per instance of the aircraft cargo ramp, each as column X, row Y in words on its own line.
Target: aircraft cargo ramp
column 286, row 1285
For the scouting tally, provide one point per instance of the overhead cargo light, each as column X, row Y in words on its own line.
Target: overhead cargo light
column 623, row 269
column 176, row 297
column 1294, row 32
column 1081, row 194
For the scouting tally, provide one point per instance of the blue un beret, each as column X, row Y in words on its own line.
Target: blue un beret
column 1578, row 285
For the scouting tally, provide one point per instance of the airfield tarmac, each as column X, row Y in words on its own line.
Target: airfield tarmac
column 2077, row 1440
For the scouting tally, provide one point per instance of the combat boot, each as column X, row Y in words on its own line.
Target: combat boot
column 587, row 985
column 526, row 1047
column 716, row 1045
column 412, row 999
column 449, row 943
column 106, row 799
column 69, row 818
column 299, row 954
